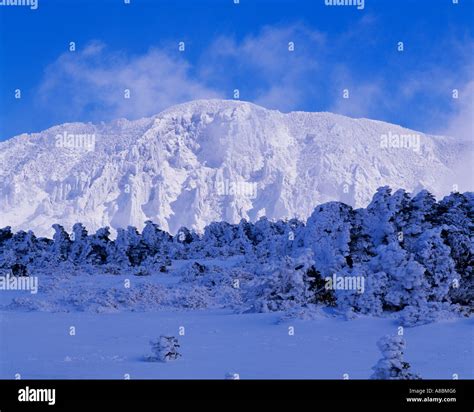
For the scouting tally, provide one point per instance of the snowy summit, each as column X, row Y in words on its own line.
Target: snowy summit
column 211, row 160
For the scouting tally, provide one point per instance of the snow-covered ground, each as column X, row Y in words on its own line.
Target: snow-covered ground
column 215, row 342
column 249, row 299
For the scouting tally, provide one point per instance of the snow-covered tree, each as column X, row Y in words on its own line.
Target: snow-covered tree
column 392, row 365
column 98, row 247
column 79, row 243
column 327, row 233
column 415, row 256
column 128, row 248
column 62, row 243
column 270, row 239
column 5, row 234
column 378, row 221
column 217, row 238
column 24, row 248
column 119, row 249
column 182, row 243
column 435, row 256
column 156, row 240
column 405, row 277
column 414, row 218
column 285, row 286
column 372, row 300
column 241, row 244
column 456, row 213
column 165, row 349
column 136, row 248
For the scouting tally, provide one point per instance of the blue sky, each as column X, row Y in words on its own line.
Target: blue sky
column 237, row 46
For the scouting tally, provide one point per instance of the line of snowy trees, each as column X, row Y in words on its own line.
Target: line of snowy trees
column 415, row 254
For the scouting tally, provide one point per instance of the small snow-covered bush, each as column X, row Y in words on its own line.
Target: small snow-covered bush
column 392, row 366
column 141, row 272
column 285, row 286
column 417, row 315
column 165, row 349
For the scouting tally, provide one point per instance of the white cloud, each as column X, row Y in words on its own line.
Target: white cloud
column 91, row 82
column 364, row 98
column 461, row 123
column 265, row 57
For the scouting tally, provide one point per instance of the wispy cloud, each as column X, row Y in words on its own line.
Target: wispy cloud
column 270, row 67
column 461, row 122
column 92, row 82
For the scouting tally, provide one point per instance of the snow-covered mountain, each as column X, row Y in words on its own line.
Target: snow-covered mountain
column 212, row 160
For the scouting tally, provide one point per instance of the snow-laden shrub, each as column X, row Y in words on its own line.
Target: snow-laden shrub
column 393, row 279
column 307, row 312
column 204, row 285
column 439, row 267
column 372, row 300
column 112, row 269
column 165, row 349
column 327, row 233
column 284, row 286
column 191, row 297
column 415, row 255
column 392, row 365
column 156, row 264
column 141, row 271
column 62, row 243
column 192, row 271
column 423, row 314
column 29, row 304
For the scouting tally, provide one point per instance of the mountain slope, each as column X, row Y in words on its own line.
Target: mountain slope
column 211, row 160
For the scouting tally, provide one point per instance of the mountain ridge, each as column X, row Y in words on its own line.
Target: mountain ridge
column 170, row 167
